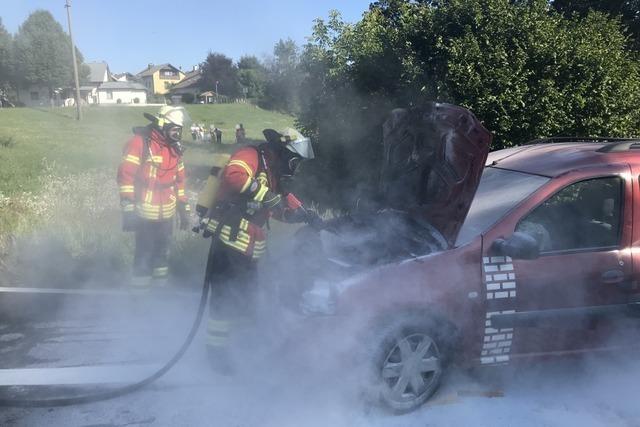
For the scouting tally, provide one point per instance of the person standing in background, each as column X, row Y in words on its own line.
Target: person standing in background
column 151, row 179
column 240, row 133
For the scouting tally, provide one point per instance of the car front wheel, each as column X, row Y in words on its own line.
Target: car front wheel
column 410, row 369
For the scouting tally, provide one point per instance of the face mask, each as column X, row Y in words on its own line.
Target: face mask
column 290, row 162
column 173, row 133
column 294, row 162
column 178, row 147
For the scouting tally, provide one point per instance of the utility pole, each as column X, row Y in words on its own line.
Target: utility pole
column 75, row 62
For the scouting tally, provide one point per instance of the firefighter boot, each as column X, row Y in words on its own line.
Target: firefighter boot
column 142, row 283
column 220, row 361
column 160, row 277
column 218, row 346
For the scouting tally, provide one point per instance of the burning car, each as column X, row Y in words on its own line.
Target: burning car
column 477, row 258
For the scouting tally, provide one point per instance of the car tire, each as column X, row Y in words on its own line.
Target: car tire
column 409, row 360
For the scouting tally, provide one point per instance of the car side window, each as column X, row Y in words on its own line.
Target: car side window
column 583, row 215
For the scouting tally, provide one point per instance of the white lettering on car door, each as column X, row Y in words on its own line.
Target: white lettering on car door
column 500, row 282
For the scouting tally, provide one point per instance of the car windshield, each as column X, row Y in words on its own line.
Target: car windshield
column 499, row 191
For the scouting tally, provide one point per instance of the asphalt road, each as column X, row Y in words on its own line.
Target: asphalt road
column 113, row 339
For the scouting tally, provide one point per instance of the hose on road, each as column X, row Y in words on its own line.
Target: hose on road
column 129, row 388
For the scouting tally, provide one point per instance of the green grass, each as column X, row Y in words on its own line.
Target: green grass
column 57, row 182
column 27, row 136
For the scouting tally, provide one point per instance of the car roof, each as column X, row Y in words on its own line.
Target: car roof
column 553, row 159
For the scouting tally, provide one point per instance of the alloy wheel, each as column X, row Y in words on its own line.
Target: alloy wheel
column 411, row 371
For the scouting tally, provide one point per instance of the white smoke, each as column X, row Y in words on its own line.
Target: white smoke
column 288, row 373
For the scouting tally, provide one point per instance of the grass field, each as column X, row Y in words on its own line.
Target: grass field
column 58, row 196
column 27, row 136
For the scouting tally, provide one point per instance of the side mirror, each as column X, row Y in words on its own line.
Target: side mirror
column 518, row 246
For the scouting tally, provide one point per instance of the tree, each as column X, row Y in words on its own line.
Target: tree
column 529, row 72
column 627, row 10
column 5, row 55
column 525, row 70
column 42, row 53
column 285, row 57
column 220, row 68
column 284, row 78
column 252, row 76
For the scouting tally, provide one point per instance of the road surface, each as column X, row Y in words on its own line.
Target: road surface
column 108, row 339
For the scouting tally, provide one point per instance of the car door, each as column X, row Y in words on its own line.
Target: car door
column 582, row 223
column 623, row 332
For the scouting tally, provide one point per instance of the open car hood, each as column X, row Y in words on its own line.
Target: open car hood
column 433, row 159
column 432, row 162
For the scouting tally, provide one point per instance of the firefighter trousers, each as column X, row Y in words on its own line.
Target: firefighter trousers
column 152, row 251
column 232, row 280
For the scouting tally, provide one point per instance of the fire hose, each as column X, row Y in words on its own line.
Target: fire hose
column 129, row 388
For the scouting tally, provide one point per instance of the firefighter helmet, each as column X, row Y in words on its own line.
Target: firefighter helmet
column 293, row 140
column 170, row 120
column 177, row 116
column 299, row 144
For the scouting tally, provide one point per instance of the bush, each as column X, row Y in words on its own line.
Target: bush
column 69, row 233
column 523, row 69
column 188, row 98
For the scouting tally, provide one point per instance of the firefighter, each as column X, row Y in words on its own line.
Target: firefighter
column 151, row 178
column 250, row 192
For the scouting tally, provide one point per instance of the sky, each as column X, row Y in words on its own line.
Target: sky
column 129, row 35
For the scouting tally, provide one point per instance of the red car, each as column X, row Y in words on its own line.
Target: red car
column 477, row 258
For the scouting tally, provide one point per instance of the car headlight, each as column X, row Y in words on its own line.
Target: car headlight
column 321, row 299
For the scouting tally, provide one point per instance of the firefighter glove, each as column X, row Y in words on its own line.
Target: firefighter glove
column 129, row 217
column 272, row 200
column 262, row 197
column 183, row 216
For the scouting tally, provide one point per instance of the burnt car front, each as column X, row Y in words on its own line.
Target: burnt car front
column 432, row 160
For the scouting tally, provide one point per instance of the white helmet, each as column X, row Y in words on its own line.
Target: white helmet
column 297, row 143
column 174, row 115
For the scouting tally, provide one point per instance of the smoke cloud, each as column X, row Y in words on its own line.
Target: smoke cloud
column 289, row 373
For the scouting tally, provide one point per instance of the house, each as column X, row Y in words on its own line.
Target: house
column 210, row 97
column 124, row 77
column 191, row 86
column 101, row 87
column 158, row 79
column 121, row 93
column 98, row 74
column 39, row 96
column 104, row 88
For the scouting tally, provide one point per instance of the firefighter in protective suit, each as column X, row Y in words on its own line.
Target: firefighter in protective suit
column 151, row 178
column 249, row 193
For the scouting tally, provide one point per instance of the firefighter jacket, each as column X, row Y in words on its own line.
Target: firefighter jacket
column 151, row 177
column 237, row 225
